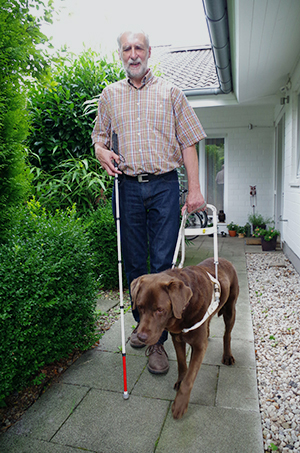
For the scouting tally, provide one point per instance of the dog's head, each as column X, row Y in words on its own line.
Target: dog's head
column 159, row 298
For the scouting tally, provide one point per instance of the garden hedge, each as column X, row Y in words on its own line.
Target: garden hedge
column 47, row 293
column 103, row 235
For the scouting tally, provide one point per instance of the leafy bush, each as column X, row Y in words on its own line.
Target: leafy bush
column 76, row 180
column 103, row 235
column 59, row 128
column 19, row 59
column 47, row 293
column 61, row 154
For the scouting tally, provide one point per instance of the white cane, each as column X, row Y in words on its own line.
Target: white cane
column 115, row 148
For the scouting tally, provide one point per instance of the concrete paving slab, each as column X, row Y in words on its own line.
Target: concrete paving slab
column 112, row 340
column 162, row 387
column 103, row 305
column 104, row 370
column 105, row 423
column 19, row 444
column 43, row 419
column 242, row 351
column 237, row 389
column 243, row 284
column 243, row 313
column 212, row 430
column 153, row 386
column 242, row 328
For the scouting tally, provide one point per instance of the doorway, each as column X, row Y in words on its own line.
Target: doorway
column 214, row 168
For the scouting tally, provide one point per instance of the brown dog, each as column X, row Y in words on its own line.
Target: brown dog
column 178, row 299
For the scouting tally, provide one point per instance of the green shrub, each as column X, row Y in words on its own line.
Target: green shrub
column 62, row 159
column 103, row 235
column 59, row 128
column 76, row 180
column 20, row 60
column 47, row 293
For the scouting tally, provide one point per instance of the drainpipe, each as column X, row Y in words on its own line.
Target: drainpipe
column 218, row 29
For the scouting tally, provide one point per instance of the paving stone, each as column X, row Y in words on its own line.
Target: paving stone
column 211, row 429
column 106, row 423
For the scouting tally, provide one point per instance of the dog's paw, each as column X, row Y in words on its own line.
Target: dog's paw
column 228, row 360
column 179, row 408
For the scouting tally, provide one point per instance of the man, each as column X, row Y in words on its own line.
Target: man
column 157, row 132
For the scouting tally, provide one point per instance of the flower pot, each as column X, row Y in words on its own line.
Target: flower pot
column 241, row 235
column 232, row 233
column 269, row 246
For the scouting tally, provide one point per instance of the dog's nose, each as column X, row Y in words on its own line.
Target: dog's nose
column 142, row 337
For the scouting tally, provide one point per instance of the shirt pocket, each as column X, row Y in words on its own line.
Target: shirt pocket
column 159, row 118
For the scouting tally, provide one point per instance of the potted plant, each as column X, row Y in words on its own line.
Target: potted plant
column 255, row 238
column 241, row 231
column 269, row 239
column 257, row 221
column 232, row 228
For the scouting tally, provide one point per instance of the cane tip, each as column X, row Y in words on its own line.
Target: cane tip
column 125, row 395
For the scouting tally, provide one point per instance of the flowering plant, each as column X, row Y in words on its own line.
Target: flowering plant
column 268, row 234
column 232, row 226
column 257, row 233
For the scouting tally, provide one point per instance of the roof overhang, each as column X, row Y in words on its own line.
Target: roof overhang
column 210, row 100
column 265, row 47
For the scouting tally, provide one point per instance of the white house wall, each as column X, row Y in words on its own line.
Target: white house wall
column 291, row 212
column 249, row 156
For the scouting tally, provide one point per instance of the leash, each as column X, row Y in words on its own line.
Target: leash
column 215, row 299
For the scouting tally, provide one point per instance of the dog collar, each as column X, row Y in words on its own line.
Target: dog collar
column 215, row 299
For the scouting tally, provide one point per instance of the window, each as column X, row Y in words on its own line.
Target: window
column 214, row 163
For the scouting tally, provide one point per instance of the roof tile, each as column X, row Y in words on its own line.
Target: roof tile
column 187, row 68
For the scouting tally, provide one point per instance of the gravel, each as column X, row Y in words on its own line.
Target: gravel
column 274, row 291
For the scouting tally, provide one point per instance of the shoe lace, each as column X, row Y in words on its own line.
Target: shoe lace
column 155, row 348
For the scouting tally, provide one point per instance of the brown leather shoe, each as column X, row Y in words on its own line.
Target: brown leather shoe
column 134, row 341
column 158, row 359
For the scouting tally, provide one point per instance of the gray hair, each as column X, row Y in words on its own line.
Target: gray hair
column 134, row 32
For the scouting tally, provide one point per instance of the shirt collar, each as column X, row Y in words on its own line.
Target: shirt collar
column 148, row 76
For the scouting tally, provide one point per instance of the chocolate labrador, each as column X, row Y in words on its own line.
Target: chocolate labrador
column 177, row 300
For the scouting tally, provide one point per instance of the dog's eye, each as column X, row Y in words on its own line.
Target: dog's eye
column 159, row 310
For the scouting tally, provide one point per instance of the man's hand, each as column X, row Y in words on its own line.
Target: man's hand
column 106, row 159
column 194, row 200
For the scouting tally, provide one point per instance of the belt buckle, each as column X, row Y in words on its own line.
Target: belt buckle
column 141, row 177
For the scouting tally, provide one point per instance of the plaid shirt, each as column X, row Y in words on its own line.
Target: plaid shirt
column 154, row 124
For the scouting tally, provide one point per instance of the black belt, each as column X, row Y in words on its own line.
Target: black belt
column 144, row 177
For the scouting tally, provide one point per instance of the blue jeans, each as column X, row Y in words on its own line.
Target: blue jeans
column 149, row 216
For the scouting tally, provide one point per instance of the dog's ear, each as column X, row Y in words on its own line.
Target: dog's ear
column 180, row 295
column 134, row 289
